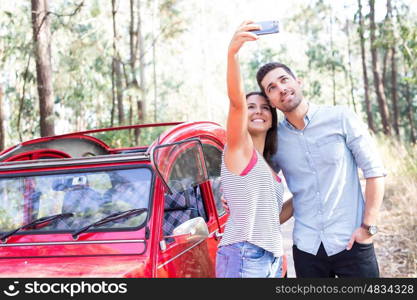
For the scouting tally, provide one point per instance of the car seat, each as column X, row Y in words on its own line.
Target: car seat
column 79, row 199
column 176, row 208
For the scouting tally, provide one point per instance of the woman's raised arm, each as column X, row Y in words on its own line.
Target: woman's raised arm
column 239, row 144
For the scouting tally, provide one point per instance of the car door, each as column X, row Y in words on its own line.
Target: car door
column 213, row 155
column 183, row 169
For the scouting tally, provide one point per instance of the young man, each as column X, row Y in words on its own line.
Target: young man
column 319, row 151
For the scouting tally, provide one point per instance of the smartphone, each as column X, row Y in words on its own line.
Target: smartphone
column 267, row 27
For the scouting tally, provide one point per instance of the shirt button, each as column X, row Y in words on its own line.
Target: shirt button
column 317, row 193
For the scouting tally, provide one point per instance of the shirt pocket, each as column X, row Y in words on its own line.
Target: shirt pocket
column 331, row 149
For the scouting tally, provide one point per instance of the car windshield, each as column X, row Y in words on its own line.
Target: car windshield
column 89, row 196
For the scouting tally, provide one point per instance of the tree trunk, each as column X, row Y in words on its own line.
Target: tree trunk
column 365, row 72
column 384, row 65
column 133, row 43
column 410, row 113
column 333, row 59
column 42, row 43
column 141, row 102
column 379, row 87
column 113, row 94
column 142, row 65
column 385, row 47
column 119, row 90
column 350, row 66
column 394, row 89
column 117, row 69
column 154, row 77
column 131, row 113
column 22, row 99
column 2, row 131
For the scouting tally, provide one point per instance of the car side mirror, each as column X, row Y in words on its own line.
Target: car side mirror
column 190, row 231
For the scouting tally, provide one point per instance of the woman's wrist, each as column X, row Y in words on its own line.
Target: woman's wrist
column 232, row 53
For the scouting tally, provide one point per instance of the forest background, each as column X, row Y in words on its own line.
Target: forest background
column 71, row 65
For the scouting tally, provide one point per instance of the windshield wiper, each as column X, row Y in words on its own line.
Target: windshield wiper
column 35, row 223
column 109, row 218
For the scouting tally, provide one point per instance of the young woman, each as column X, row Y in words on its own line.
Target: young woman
column 252, row 243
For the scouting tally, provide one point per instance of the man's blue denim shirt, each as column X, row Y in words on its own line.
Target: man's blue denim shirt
column 320, row 164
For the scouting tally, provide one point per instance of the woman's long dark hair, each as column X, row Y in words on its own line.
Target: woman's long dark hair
column 271, row 140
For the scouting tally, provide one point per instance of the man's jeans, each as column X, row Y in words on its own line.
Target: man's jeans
column 246, row 260
column 360, row 261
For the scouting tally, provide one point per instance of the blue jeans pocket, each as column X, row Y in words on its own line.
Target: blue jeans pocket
column 253, row 252
column 257, row 262
column 221, row 264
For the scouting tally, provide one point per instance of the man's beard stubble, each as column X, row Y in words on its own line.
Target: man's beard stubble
column 292, row 105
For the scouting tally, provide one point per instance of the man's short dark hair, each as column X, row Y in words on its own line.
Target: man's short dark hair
column 265, row 69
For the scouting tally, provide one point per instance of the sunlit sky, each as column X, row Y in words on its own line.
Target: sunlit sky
column 215, row 39
column 272, row 9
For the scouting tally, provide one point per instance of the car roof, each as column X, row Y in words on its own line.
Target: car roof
column 83, row 148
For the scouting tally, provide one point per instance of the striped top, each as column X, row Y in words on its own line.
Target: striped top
column 255, row 201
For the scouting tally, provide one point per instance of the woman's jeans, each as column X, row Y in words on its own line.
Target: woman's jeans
column 246, row 260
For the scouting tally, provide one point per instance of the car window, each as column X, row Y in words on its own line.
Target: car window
column 181, row 161
column 213, row 157
column 90, row 196
column 186, row 201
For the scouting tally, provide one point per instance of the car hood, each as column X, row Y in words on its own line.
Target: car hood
column 75, row 267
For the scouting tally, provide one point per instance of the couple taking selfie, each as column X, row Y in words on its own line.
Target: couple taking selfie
column 319, row 150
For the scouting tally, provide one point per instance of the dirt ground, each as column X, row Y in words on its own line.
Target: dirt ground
column 287, row 237
column 395, row 258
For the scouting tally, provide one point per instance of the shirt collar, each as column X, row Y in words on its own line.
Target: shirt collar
column 312, row 109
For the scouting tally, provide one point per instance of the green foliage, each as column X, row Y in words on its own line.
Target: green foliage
column 258, row 58
column 408, row 47
column 321, row 59
column 116, row 139
column 187, row 71
column 172, row 23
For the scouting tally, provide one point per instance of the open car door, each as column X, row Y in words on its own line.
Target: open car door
column 182, row 168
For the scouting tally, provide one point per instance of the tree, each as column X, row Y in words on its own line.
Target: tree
column 408, row 83
column 117, row 86
column 410, row 112
column 2, row 131
column 379, row 86
column 42, row 49
column 137, row 62
column 349, row 71
column 394, row 71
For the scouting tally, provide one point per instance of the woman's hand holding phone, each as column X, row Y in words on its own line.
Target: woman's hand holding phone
column 243, row 34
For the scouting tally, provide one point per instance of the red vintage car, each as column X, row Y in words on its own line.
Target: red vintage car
column 73, row 206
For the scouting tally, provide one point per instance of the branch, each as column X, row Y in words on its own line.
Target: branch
column 76, row 10
column 154, row 41
column 22, row 98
